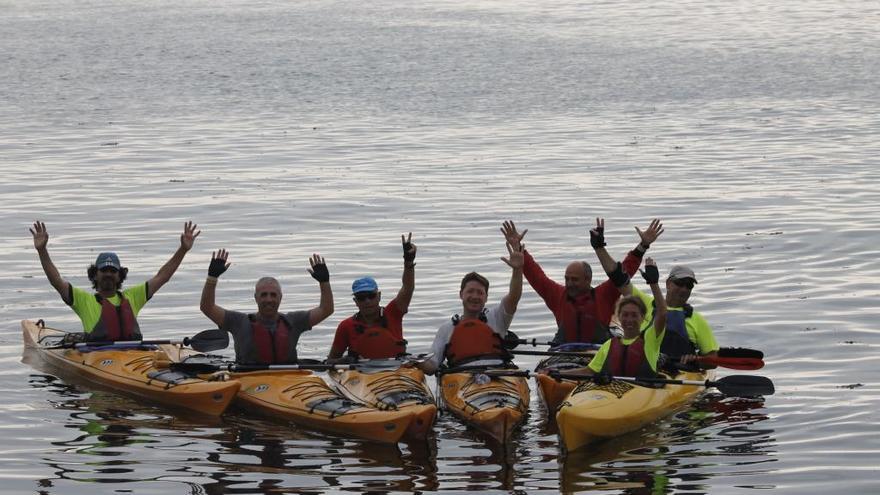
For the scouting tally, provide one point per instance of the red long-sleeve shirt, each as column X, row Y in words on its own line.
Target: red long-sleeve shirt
column 584, row 318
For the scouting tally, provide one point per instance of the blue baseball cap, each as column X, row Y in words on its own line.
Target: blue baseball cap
column 365, row 284
column 108, row 259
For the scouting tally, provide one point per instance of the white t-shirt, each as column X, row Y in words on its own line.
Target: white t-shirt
column 497, row 319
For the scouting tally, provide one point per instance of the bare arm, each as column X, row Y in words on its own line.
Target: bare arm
column 408, row 285
column 325, row 306
column 597, row 240
column 41, row 241
column 210, row 309
column 515, row 262
column 187, row 238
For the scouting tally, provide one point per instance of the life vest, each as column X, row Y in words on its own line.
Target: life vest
column 271, row 349
column 375, row 341
column 580, row 321
column 627, row 360
column 473, row 339
column 116, row 322
column 676, row 342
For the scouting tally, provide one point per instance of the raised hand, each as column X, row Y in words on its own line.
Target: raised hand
column 219, row 263
column 651, row 233
column 651, row 274
column 597, row 234
column 188, row 237
column 319, row 269
column 513, row 238
column 41, row 235
column 515, row 256
column 409, row 250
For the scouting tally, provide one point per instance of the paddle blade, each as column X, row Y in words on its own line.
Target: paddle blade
column 744, row 385
column 208, row 340
column 740, row 352
column 735, row 363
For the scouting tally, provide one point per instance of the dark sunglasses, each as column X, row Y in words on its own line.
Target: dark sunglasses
column 363, row 296
column 684, row 282
column 108, row 269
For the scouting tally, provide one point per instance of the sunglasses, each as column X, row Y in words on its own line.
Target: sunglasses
column 108, row 269
column 363, row 296
column 684, row 282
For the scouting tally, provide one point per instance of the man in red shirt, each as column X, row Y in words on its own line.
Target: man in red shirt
column 583, row 312
column 376, row 332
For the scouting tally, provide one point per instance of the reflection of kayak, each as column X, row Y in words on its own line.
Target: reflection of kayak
column 551, row 390
column 595, row 412
column 130, row 370
column 305, row 399
column 403, row 389
column 493, row 405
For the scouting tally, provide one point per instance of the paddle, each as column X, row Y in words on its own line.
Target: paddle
column 734, row 385
column 725, row 352
column 196, row 366
column 205, row 341
column 736, row 363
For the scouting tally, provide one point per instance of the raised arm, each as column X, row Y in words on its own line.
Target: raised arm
column 218, row 265
column 515, row 262
column 408, row 285
column 597, row 240
column 648, row 236
column 325, row 306
column 41, row 241
column 651, row 275
column 187, row 238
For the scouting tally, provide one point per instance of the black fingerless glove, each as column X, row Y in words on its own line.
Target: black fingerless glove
column 618, row 277
column 217, row 267
column 597, row 237
column 409, row 256
column 320, row 272
column 602, row 378
column 651, row 274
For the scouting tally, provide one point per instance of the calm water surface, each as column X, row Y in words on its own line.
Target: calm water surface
column 285, row 129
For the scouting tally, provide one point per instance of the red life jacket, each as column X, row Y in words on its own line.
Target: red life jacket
column 579, row 320
column 375, row 342
column 116, row 322
column 627, row 360
column 271, row 349
column 473, row 339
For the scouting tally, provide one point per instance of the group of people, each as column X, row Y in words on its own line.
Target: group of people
column 652, row 325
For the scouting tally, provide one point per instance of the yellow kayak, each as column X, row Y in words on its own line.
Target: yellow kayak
column 493, row 405
column 303, row 398
column 553, row 391
column 595, row 412
column 129, row 369
column 401, row 389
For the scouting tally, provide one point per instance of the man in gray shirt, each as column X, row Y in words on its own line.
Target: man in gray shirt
column 267, row 336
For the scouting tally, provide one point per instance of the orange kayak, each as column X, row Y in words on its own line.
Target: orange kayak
column 551, row 390
column 129, row 370
column 401, row 389
column 493, row 405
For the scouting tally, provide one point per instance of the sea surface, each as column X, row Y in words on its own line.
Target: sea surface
column 317, row 126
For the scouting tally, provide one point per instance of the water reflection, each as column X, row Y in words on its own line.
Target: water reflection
column 672, row 457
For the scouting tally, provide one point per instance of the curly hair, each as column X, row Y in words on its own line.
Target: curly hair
column 634, row 300
column 93, row 276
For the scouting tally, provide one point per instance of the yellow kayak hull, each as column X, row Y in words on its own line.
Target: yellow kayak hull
column 592, row 412
column 495, row 406
column 402, row 389
column 306, row 399
column 130, row 371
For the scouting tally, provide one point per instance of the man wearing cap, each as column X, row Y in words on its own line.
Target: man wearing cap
column 583, row 312
column 688, row 334
column 376, row 332
column 475, row 337
column 267, row 336
column 109, row 314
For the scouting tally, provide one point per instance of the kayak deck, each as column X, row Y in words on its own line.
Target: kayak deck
column 401, row 389
column 594, row 412
column 130, row 370
column 495, row 405
column 553, row 391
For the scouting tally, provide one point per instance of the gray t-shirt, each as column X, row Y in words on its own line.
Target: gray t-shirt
column 240, row 326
